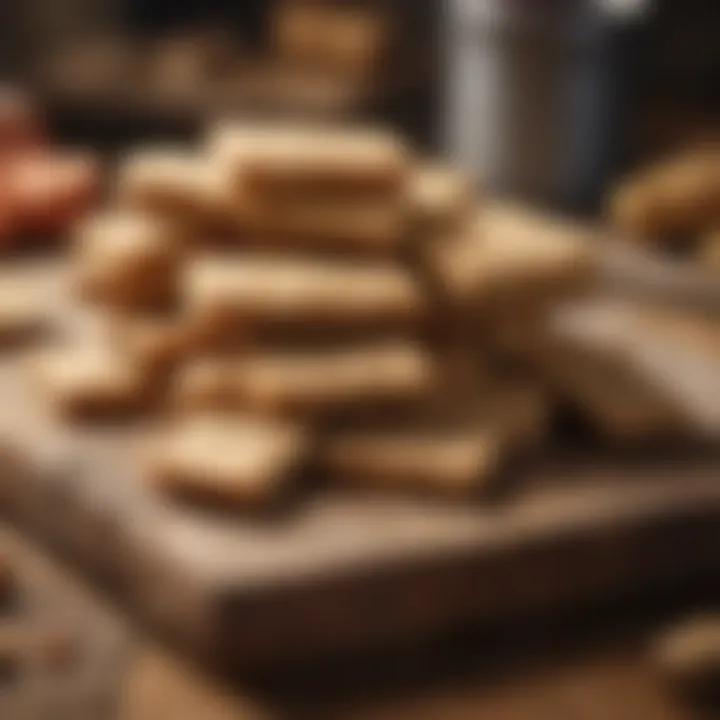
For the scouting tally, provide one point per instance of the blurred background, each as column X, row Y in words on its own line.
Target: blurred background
column 545, row 98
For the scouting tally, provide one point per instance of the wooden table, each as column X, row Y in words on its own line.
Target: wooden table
column 587, row 665
column 592, row 664
column 601, row 680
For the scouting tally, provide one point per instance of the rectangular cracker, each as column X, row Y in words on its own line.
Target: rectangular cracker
column 252, row 293
column 344, row 226
column 204, row 384
column 447, row 463
column 677, row 198
column 333, row 380
column 599, row 356
column 127, row 259
column 436, row 454
column 85, row 383
column 181, row 185
column 297, row 159
column 229, row 461
column 510, row 257
column 312, row 383
column 22, row 314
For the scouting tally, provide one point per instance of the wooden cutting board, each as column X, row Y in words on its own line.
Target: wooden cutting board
column 342, row 572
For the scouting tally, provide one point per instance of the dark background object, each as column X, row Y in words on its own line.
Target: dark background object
column 676, row 78
column 248, row 20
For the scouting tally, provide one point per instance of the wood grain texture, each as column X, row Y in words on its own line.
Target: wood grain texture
column 604, row 675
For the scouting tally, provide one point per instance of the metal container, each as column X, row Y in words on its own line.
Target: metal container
column 533, row 88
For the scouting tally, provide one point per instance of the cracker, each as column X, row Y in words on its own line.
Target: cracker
column 127, row 259
column 414, row 460
column 311, row 383
column 181, row 185
column 366, row 226
column 85, row 383
column 599, row 356
column 204, row 384
column 22, row 315
column 296, row 160
column 238, row 461
column 679, row 197
column 439, row 453
column 510, row 257
column 255, row 293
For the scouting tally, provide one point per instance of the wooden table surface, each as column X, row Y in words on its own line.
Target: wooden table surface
column 588, row 664
column 591, row 663
column 614, row 683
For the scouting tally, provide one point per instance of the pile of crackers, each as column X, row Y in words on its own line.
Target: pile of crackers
column 306, row 301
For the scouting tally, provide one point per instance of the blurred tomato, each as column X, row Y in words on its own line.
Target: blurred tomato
column 50, row 191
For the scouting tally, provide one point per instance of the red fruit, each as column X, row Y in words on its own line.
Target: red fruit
column 51, row 191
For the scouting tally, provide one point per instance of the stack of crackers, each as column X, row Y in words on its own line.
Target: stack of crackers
column 296, row 298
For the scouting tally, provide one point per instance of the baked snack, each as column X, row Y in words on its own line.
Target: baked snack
column 440, row 198
column 675, row 199
column 86, row 383
column 252, row 294
column 127, row 259
column 440, row 454
column 182, row 186
column 229, row 461
column 22, row 315
column 600, row 356
column 509, row 257
column 336, row 225
column 314, row 383
column 203, row 384
column 305, row 160
column 442, row 461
